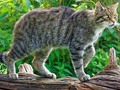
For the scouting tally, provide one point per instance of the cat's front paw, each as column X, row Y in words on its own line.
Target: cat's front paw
column 52, row 75
column 13, row 76
column 84, row 78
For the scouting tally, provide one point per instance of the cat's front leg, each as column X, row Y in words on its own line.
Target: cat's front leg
column 90, row 52
column 77, row 60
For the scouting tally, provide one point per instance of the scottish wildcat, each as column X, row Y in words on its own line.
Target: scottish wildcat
column 41, row 29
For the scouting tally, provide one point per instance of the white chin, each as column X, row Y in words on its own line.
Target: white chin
column 110, row 27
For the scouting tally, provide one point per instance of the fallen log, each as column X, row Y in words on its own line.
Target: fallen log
column 108, row 79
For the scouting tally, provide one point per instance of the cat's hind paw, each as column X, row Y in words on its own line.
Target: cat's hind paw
column 84, row 78
column 13, row 76
column 52, row 75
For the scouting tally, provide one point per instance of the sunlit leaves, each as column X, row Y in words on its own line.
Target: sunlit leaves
column 3, row 15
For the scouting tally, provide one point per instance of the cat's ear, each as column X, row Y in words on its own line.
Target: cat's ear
column 98, row 7
column 114, row 7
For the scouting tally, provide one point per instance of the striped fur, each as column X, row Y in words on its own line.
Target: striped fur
column 2, row 57
column 41, row 29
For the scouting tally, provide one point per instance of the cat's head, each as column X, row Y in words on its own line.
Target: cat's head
column 106, row 15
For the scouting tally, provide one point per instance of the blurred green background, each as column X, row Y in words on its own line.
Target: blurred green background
column 59, row 61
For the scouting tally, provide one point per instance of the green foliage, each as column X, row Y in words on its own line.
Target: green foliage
column 110, row 38
column 5, row 40
column 59, row 61
column 11, row 10
column 3, row 69
column 54, row 3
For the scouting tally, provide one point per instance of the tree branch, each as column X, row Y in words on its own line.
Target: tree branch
column 108, row 79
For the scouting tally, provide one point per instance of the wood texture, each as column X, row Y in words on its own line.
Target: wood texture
column 108, row 79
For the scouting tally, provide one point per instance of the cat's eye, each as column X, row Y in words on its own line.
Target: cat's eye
column 106, row 16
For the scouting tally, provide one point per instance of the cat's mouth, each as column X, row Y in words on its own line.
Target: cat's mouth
column 112, row 25
column 109, row 25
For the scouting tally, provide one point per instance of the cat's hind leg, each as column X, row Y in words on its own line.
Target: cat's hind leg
column 90, row 52
column 39, row 62
column 17, row 51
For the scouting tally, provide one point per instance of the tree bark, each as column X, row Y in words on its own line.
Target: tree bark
column 108, row 79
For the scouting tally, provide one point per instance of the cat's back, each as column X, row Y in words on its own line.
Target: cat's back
column 52, row 13
column 40, row 16
column 49, row 14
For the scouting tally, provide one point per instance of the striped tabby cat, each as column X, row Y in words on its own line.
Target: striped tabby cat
column 41, row 29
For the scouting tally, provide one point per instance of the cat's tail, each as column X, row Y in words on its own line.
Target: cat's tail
column 3, row 57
